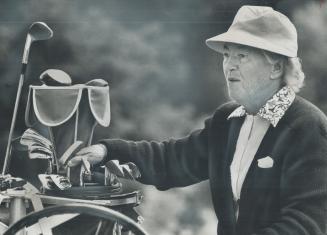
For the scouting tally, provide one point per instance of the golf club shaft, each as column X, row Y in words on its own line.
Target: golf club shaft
column 27, row 46
column 13, row 120
column 26, row 52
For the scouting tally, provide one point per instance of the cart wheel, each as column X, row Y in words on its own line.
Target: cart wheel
column 97, row 211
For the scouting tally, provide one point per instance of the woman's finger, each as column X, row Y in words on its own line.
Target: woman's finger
column 75, row 161
column 85, row 150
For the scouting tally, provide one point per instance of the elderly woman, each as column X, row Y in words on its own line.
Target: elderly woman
column 264, row 153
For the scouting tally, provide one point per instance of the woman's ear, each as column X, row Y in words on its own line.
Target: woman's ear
column 277, row 70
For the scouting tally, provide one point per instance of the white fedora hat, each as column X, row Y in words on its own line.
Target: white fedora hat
column 259, row 27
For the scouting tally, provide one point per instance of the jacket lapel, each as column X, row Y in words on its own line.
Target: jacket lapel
column 222, row 183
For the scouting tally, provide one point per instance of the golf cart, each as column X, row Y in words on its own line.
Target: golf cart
column 61, row 119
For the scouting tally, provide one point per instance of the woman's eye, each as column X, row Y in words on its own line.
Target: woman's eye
column 226, row 54
column 241, row 56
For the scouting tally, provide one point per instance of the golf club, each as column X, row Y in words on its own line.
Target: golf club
column 38, row 31
column 55, row 77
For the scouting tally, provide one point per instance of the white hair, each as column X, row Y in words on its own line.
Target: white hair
column 293, row 75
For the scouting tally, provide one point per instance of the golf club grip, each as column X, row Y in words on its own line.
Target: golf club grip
column 23, row 69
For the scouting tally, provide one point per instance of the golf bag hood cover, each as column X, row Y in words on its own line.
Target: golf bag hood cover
column 55, row 105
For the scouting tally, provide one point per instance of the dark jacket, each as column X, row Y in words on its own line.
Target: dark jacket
column 289, row 198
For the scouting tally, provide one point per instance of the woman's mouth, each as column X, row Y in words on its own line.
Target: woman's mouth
column 232, row 79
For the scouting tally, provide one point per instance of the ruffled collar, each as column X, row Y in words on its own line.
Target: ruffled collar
column 274, row 109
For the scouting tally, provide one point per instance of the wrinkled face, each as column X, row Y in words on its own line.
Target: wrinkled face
column 247, row 73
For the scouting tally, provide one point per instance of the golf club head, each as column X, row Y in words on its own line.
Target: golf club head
column 55, row 77
column 134, row 170
column 40, row 31
column 127, row 172
column 114, row 167
column 53, row 182
column 37, row 31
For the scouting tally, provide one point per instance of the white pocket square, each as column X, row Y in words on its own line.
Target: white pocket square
column 266, row 162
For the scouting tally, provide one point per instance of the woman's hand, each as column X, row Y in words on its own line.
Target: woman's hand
column 94, row 154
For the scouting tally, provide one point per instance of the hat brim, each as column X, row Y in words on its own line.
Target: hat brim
column 243, row 38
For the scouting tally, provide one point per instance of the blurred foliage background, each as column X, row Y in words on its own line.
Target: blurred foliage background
column 163, row 79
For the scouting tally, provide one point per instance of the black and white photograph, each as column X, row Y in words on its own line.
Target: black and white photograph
column 148, row 117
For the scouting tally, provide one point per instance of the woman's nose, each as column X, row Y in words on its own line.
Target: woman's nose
column 232, row 63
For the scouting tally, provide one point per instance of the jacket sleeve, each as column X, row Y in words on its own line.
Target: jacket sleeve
column 303, row 187
column 172, row 163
